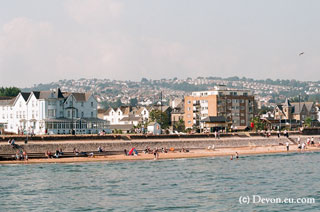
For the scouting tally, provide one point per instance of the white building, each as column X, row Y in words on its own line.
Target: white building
column 51, row 112
column 126, row 115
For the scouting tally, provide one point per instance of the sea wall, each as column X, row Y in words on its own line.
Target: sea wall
column 120, row 145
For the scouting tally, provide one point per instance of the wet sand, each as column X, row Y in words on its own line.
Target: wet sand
column 173, row 155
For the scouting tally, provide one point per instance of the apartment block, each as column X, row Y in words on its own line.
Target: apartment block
column 237, row 106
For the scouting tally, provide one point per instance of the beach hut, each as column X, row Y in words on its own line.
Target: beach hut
column 154, row 128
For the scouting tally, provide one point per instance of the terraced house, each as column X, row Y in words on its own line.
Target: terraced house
column 51, row 112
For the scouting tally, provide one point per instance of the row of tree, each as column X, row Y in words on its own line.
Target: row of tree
column 9, row 91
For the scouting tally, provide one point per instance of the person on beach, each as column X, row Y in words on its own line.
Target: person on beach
column 57, row 153
column 60, row 151
column 298, row 140
column 17, row 155
column 100, row 149
column 156, row 154
column 308, row 141
column 231, row 157
column 299, row 146
column 303, row 146
column 25, row 155
column 49, row 154
column 287, row 145
column 125, row 152
column 278, row 132
column 9, row 141
column 312, row 141
column 215, row 134
column 76, row 151
column 237, row 155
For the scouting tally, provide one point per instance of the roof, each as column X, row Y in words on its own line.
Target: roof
column 47, row 94
column 131, row 118
column 7, row 102
column 152, row 123
column 102, row 111
column 212, row 119
column 25, row 95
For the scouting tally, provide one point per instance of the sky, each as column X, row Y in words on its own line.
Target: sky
column 46, row 41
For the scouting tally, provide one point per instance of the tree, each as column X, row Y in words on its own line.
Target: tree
column 258, row 124
column 161, row 118
column 10, row 91
column 144, row 81
column 179, row 126
column 308, row 122
column 133, row 102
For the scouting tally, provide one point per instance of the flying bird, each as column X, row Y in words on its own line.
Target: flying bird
column 301, row 53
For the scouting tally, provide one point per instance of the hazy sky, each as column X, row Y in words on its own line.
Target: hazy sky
column 44, row 41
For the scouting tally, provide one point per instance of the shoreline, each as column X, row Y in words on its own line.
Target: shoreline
column 199, row 153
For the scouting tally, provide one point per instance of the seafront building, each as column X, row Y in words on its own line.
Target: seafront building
column 51, row 112
column 236, row 106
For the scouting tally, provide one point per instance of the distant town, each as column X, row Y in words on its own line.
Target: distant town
column 202, row 105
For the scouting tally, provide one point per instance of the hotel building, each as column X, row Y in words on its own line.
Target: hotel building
column 51, row 112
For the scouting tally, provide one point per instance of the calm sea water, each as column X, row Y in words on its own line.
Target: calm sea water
column 207, row 184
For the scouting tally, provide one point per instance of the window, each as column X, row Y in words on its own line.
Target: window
column 70, row 103
column 82, row 114
column 119, row 113
column 91, row 114
column 91, row 104
column 51, row 113
column 69, row 114
column 82, row 104
column 189, row 102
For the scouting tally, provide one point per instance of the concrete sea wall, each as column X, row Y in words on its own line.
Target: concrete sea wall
column 120, row 145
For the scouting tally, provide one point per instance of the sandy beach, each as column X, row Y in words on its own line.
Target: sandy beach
column 242, row 151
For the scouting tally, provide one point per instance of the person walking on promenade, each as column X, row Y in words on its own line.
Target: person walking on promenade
column 287, row 144
column 298, row 140
column 278, row 132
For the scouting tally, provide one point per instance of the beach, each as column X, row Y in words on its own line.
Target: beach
column 194, row 153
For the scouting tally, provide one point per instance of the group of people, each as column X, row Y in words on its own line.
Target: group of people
column 57, row 154
column 308, row 142
column 155, row 152
column 21, row 155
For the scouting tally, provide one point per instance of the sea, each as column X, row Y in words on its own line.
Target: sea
column 273, row 182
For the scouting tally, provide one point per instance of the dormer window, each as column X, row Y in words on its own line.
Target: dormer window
column 91, row 104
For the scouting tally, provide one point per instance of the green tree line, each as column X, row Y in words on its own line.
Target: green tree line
column 9, row 91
